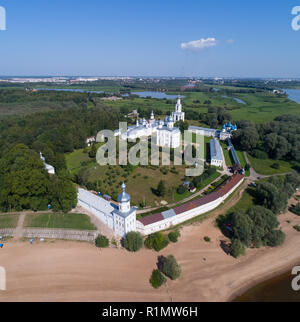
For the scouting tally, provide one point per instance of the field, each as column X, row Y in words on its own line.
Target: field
column 264, row 167
column 8, row 221
column 246, row 202
column 259, row 107
column 56, row 220
column 229, row 159
column 141, row 181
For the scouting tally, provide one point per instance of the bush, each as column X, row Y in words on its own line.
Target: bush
column 258, row 154
column 297, row 227
column 275, row 238
column 171, row 268
column 173, row 236
column 157, row 241
column 275, row 165
column 207, row 239
column 102, row 241
column 181, row 190
column 237, row 248
column 133, row 241
column 157, row 279
column 296, row 209
column 161, row 189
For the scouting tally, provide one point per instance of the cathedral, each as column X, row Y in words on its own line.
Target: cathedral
column 167, row 135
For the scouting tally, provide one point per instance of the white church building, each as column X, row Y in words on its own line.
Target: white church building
column 121, row 219
column 167, row 135
column 178, row 115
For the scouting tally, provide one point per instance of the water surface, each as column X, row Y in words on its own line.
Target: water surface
column 293, row 94
column 277, row 289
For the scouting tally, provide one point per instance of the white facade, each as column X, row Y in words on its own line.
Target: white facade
column 121, row 219
column 49, row 168
column 216, row 156
column 223, row 135
column 174, row 220
column 178, row 115
column 167, row 135
column 204, row 131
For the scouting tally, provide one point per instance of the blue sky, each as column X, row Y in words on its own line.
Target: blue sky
column 118, row 37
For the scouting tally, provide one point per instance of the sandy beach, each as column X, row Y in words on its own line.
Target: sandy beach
column 72, row 271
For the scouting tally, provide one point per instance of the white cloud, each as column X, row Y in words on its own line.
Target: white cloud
column 230, row 41
column 199, row 45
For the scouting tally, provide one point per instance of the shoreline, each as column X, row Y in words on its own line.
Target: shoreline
column 268, row 276
column 64, row 271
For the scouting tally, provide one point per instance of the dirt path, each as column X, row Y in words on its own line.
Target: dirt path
column 19, row 228
column 172, row 205
column 254, row 176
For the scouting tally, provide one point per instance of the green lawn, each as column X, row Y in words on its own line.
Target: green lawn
column 229, row 160
column 260, row 107
column 206, row 182
column 8, row 221
column 246, row 202
column 263, row 167
column 56, row 220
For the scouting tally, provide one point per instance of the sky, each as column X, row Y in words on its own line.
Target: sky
column 186, row 38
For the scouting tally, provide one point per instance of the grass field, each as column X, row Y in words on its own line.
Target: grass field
column 229, row 160
column 56, row 220
column 246, row 202
column 259, row 107
column 8, row 221
column 264, row 167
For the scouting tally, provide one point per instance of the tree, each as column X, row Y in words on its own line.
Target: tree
column 237, row 248
column 296, row 209
column 270, row 197
column 212, row 120
column 102, row 241
column 242, row 227
column 274, row 238
column 181, row 189
column 93, row 152
column 173, row 236
column 246, row 139
column 161, row 189
column 183, row 125
column 24, row 184
column 157, row 279
column 63, row 194
column 157, row 241
column 171, row 268
column 264, row 221
column 133, row 241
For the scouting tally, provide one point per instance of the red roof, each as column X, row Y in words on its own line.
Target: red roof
column 220, row 192
column 151, row 219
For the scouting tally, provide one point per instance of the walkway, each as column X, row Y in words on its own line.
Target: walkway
column 19, row 228
column 101, row 227
column 254, row 176
column 187, row 199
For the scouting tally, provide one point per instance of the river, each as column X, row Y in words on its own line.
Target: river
column 277, row 289
column 293, row 94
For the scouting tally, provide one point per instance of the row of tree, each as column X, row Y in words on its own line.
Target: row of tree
column 25, row 184
column 279, row 139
